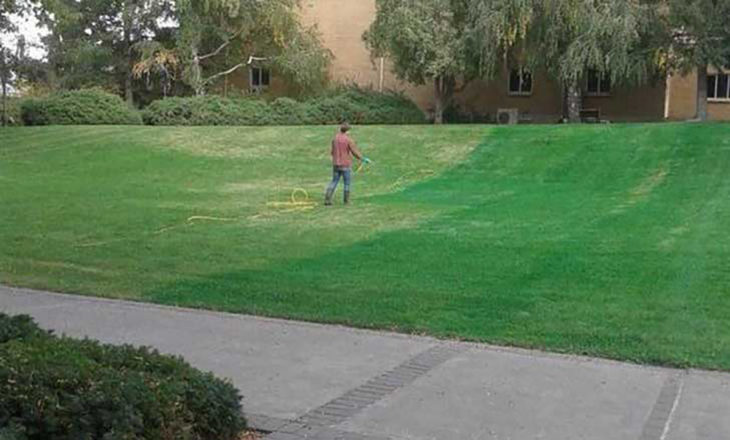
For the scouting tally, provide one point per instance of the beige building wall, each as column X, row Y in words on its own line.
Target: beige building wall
column 239, row 81
column 682, row 100
column 544, row 104
column 341, row 24
column 636, row 104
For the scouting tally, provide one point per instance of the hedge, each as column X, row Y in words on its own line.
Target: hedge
column 79, row 107
column 13, row 115
column 355, row 105
column 62, row 388
column 18, row 327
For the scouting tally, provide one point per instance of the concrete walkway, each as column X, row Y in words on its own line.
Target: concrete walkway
column 322, row 382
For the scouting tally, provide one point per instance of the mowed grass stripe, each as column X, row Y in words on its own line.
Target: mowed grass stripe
column 98, row 137
column 603, row 240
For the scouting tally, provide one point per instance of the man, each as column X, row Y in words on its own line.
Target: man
column 343, row 148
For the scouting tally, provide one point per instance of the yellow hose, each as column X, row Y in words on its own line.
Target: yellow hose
column 299, row 201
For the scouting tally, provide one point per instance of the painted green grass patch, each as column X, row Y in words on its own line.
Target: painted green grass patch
column 603, row 240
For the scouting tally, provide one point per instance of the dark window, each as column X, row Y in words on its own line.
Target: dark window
column 606, row 83
column 718, row 86
column 712, row 86
column 526, row 85
column 260, row 77
column 520, row 82
column 598, row 83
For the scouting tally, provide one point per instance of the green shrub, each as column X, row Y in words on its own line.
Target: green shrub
column 18, row 327
column 79, row 107
column 208, row 110
column 352, row 104
column 61, row 388
column 13, row 116
column 363, row 106
column 454, row 114
column 287, row 111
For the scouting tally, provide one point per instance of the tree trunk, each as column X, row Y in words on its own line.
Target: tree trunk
column 128, row 93
column 5, row 108
column 438, row 112
column 702, row 93
column 4, row 75
column 196, row 75
column 127, row 23
column 574, row 102
column 445, row 87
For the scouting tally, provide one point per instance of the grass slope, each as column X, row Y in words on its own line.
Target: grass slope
column 602, row 240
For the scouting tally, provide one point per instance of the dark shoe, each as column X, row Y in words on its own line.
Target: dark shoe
column 328, row 198
column 347, row 197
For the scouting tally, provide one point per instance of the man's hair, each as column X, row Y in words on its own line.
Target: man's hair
column 344, row 127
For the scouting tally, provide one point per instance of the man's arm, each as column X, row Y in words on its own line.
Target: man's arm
column 353, row 149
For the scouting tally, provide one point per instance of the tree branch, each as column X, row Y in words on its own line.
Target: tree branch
column 221, row 47
column 227, row 72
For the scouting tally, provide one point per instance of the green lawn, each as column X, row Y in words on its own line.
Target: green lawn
column 607, row 240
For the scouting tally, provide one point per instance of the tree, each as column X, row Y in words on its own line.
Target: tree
column 427, row 41
column 568, row 38
column 8, row 8
column 700, row 39
column 92, row 42
column 218, row 37
column 11, row 70
column 10, row 60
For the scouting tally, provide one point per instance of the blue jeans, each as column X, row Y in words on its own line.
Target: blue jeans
column 338, row 173
column 341, row 172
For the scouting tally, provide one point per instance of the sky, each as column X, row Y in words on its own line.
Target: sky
column 33, row 32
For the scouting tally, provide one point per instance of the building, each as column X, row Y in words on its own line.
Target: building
column 535, row 97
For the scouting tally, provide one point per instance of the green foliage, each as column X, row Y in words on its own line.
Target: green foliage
column 567, row 38
column 352, row 104
column 213, row 32
column 287, row 111
column 426, row 40
column 8, row 7
column 363, row 106
column 207, row 110
column 91, row 42
column 701, row 33
column 455, row 114
column 60, row 388
column 79, row 107
column 18, row 327
column 14, row 116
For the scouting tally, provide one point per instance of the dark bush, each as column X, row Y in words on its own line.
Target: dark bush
column 18, row 327
column 365, row 106
column 355, row 105
column 454, row 114
column 79, row 107
column 61, row 388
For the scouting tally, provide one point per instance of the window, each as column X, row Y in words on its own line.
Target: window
column 520, row 82
column 718, row 87
column 260, row 78
column 599, row 83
